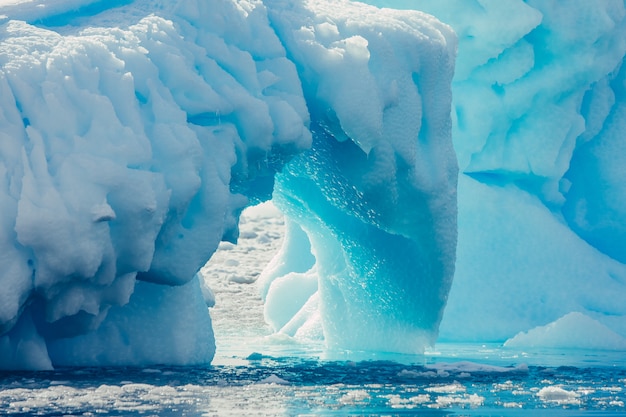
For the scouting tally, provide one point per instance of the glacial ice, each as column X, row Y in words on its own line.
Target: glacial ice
column 376, row 194
column 131, row 139
column 133, row 133
column 572, row 331
column 538, row 122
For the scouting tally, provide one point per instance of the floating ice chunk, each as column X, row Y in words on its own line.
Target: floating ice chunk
column 558, row 395
column 472, row 400
column 274, row 379
column 473, row 367
column 574, row 330
column 354, row 397
column 446, row 389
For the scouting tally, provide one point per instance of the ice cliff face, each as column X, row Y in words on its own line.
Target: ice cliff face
column 538, row 116
column 133, row 133
column 130, row 143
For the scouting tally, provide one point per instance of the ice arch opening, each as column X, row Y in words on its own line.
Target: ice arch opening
column 134, row 135
column 374, row 199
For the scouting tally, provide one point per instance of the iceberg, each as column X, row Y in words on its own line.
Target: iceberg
column 538, row 122
column 132, row 137
column 374, row 200
column 449, row 171
column 133, row 133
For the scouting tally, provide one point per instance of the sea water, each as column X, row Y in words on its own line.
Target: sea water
column 457, row 380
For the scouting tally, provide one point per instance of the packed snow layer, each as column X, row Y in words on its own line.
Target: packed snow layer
column 538, row 126
column 134, row 133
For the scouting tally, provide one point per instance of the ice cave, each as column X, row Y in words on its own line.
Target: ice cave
column 448, row 170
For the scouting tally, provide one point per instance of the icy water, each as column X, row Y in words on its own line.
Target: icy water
column 441, row 384
column 256, row 373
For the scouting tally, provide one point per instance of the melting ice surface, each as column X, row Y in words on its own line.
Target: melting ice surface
column 132, row 134
column 538, row 100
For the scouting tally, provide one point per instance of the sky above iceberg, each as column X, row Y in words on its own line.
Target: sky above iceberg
column 133, row 133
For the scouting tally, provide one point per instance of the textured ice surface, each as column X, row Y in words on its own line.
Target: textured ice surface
column 135, row 132
column 130, row 143
column 538, row 127
column 572, row 331
column 376, row 194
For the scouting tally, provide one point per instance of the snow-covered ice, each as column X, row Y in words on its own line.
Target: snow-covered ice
column 133, row 133
column 130, row 144
column 538, row 128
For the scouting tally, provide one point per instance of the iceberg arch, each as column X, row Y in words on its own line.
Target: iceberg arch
column 134, row 134
column 376, row 193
